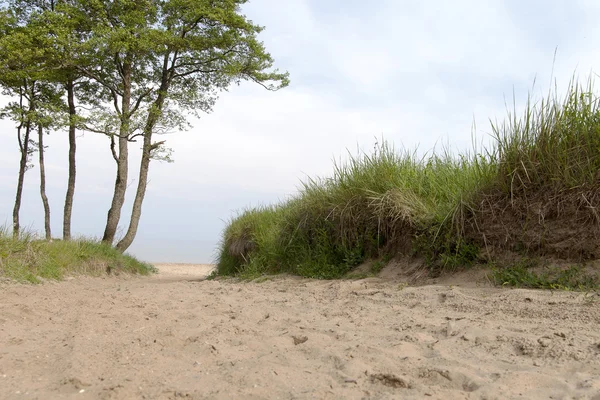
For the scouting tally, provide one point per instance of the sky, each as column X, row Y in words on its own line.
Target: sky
column 419, row 74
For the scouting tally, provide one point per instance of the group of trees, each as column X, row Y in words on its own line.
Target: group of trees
column 125, row 69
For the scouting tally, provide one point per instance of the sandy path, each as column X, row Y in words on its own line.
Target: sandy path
column 175, row 336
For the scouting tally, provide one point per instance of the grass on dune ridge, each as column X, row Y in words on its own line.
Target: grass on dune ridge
column 372, row 206
column 437, row 207
column 28, row 259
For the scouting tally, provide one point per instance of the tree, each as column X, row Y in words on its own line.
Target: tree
column 66, row 45
column 205, row 47
column 48, row 113
column 159, row 60
column 18, row 112
column 58, row 34
column 18, row 80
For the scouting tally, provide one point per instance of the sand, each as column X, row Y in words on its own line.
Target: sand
column 177, row 336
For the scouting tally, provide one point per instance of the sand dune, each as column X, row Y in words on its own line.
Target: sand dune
column 175, row 336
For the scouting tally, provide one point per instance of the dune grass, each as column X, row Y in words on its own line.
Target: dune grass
column 28, row 259
column 368, row 209
column 437, row 207
column 554, row 145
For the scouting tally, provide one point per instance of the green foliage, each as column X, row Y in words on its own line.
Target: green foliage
column 213, row 275
column 28, row 71
column 156, row 63
column 378, row 265
column 521, row 275
column 29, row 259
column 450, row 251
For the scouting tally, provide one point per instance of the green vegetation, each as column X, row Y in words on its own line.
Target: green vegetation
column 524, row 275
column 369, row 269
column 534, row 188
column 378, row 266
column 28, row 259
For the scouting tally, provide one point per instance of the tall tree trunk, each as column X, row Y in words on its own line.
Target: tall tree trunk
column 43, row 183
column 72, row 166
column 153, row 117
column 24, row 147
column 114, row 214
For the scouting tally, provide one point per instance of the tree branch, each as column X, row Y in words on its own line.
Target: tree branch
column 116, row 101
column 119, row 66
column 139, row 101
column 112, row 148
column 103, row 82
column 268, row 87
column 220, row 57
column 204, row 71
column 94, row 130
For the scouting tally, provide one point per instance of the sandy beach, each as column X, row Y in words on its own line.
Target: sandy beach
column 177, row 336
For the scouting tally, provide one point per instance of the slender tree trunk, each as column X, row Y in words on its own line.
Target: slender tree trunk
column 136, row 212
column 24, row 147
column 72, row 166
column 153, row 117
column 114, row 214
column 43, row 183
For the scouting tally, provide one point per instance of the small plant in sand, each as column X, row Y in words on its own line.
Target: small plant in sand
column 527, row 274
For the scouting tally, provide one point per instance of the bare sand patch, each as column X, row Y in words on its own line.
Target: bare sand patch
column 178, row 271
column 176, row 335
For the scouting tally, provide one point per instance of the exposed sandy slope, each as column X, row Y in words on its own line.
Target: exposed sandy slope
column 173, row 336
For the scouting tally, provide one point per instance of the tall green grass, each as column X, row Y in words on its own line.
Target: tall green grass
column 554, row 145
column 373, row 205
column 393, row 202
column 28, row 259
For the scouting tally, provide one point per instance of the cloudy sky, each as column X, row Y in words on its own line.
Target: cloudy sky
column 418, row 73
